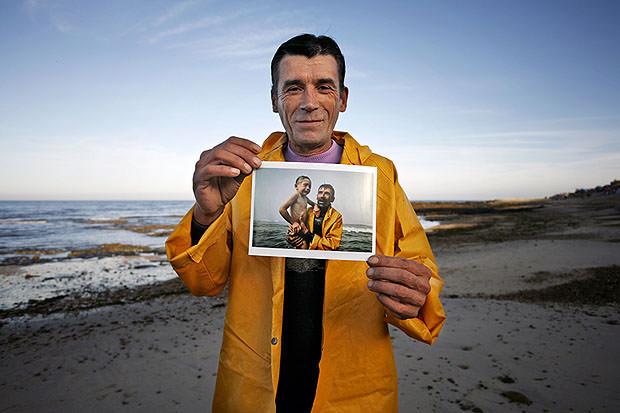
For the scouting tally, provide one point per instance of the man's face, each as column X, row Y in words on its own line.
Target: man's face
column 324, row 197
column 308, row 99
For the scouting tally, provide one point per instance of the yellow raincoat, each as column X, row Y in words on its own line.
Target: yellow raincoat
column 331, row 230
column 357, row 369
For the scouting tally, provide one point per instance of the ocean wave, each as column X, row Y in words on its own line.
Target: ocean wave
column 165, row 215
column 100, row 220
column 427, row 223
column 20, row 221
column 357, row 229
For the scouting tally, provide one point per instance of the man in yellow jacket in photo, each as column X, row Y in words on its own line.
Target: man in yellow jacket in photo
column 300, row 334
column 324, row 230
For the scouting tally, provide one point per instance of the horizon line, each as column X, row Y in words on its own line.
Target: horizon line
column 192, row 200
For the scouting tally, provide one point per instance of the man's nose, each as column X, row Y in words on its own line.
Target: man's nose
column 309, row 100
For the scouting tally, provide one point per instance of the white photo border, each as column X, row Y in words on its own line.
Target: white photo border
column 316, row 254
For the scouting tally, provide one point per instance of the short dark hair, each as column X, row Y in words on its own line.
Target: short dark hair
column 330, row 187
column 302, row 177
column 308, row 45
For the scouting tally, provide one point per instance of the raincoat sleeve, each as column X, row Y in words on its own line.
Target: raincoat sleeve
column 333, row 234
column 203, row 267
column 411, row 243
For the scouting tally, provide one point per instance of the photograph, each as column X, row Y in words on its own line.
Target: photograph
column 309, row 210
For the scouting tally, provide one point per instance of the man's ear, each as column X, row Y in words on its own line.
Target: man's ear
column 274, row 101
column 344, row 96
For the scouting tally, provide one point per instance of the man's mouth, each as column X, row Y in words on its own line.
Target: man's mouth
column 310, row 122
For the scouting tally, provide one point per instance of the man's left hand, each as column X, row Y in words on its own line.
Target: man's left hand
column 401, row 285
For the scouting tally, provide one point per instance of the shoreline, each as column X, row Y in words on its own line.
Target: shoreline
column 531, row 295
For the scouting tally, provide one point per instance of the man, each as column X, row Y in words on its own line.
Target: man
column 305, row 334
column 324, row 230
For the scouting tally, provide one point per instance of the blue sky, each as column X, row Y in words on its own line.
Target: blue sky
column 471, row 100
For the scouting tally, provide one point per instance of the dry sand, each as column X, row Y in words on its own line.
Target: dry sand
column 550, row 349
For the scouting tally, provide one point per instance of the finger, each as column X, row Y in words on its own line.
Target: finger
column 300, row 242
column 246, row 143
column 231, row 158
column 397, row 291
column 400, row 310
column 210, row 171
column 294, row 240
column 398, row 262
column 226, row 152
column 243, row 152
column 222, row 157
column 400, row 276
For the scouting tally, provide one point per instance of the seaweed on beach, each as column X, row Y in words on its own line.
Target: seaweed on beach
column 597, row 286
column 108, row 250
column 99, row 251
column 492, row 222
column 158, row 230
column 22, row 260
column 85, row 300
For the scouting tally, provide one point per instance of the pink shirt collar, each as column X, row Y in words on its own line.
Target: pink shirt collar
column 332, row 155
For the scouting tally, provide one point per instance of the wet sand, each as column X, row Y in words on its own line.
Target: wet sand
column 533, row 325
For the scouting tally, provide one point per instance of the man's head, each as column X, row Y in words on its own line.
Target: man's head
column 310, row 46
column 325, row 196
column 303, row 184
column 308, row 91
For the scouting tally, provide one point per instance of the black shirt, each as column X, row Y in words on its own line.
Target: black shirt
column 302, row 329
column 302, row 335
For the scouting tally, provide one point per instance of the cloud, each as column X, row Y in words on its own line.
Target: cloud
column 525, row 133
column 62, row 23
column 357, row 74
column 94, row 167
column 173, row 12
column 582, row 118
column 535, row 140
column 239, row 34
column 239, row 43
column 190, row 26
column 32, row 6
column 197, row 25
column 59, row 17
column 485, row 173
column 390, row 87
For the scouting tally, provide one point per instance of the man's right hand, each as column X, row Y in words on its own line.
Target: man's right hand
column 297, row 241
column 218, row 175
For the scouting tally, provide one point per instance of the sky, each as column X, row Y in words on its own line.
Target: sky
column 354, row 192
column 470, row 99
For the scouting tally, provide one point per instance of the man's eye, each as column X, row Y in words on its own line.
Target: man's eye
column 325, row 88
column 293, row 89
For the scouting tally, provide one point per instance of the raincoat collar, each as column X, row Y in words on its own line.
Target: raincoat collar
column 353, row 153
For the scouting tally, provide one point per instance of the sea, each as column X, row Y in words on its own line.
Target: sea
column 61, row 226
column 355, row 238
column 58, row 227
column 44, row 233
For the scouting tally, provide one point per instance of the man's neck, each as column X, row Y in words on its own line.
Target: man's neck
column 310, row 151
column 332, row 155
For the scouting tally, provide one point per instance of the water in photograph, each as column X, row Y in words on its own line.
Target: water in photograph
column 273, row 235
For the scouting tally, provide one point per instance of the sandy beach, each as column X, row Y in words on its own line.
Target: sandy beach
column 532, row 297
